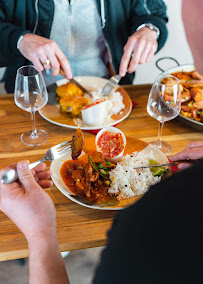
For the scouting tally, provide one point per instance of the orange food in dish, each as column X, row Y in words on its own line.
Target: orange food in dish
column 111, row 144
column 77, row 144
column 191, row 87
column 69, row 90
column 85, row 180
column 72, row 99
column 74, row 105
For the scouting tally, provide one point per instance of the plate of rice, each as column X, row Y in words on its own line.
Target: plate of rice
column 127, row 184
column 118, row 104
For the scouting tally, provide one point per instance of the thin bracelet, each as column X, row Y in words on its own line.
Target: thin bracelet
column 19, row 41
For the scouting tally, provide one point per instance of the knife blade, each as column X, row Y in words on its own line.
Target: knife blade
column 176, row 163
column 73, row 81
column 157, row 165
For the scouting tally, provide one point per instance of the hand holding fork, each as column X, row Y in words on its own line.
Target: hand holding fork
column 53, row 153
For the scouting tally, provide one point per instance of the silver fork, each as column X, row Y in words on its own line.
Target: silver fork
column 53, row 153
column 110, row 85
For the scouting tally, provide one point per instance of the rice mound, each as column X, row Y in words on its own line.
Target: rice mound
column 126, row 181
column 114, row 101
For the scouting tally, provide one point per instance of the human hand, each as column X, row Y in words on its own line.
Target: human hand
column 27, row 204
column 38, row 49
column 193, row 151
column 140, row 48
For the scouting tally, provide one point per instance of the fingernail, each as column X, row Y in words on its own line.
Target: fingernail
column 122, row 73
column 22, row 165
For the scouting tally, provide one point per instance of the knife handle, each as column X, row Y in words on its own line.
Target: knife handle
column 61, row 71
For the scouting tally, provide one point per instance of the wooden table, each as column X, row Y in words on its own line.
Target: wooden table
column 78, row 227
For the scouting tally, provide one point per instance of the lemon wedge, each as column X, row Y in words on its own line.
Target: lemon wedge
column 156, row 171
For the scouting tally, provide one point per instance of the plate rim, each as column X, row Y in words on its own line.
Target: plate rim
column 62, row 81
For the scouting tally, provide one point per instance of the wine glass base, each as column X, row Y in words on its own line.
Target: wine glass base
column 34, row 140
column 163, row 146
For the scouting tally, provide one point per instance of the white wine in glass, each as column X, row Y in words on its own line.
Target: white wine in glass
column 164, row 103
column 31, row 95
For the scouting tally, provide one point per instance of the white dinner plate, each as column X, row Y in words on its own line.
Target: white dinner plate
column 52, row 112
column 56, row 177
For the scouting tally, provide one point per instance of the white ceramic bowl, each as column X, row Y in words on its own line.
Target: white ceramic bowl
column 114, row 130
column 94, row 115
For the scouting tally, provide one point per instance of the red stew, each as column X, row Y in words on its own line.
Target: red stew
column 111, row 144
column 84, row 181
column 94, row 103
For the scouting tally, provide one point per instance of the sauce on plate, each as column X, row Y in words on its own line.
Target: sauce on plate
column 74, row 174
column 111, row 144
column 96, row 102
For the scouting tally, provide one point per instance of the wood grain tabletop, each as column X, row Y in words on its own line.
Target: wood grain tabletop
column 78, row 227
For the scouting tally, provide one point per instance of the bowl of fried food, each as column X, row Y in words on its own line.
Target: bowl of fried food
column 191, row 87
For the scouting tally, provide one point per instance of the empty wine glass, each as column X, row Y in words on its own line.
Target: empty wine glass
column 31, row 95
column 164, row 103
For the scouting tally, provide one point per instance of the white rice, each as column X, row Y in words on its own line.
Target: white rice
column 114, row 101
column 126, row 181
column 114, row 104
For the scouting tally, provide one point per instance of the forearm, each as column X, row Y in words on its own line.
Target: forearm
column 9, row 35
column 46, row 264
column 192, row 17
column 150, row 12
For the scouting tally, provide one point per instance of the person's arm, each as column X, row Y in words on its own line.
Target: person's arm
column 192, row 19
column 144, row 43
column 9, row 35
column 34, row 48
column 46, row 264
column 33, row 211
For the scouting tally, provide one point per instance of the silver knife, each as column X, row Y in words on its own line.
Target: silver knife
column 158, row 165
column 73, row 81
column 176, row 163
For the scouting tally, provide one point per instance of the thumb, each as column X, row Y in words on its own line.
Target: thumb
column 25, row 175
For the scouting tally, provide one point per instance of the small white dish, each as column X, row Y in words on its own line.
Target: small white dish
column 94, row 113
column 114, row 131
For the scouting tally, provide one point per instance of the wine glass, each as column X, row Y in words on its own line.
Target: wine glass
column 164, row 103
column 31, row 95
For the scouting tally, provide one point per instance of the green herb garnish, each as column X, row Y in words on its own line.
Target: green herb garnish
column 95, row 167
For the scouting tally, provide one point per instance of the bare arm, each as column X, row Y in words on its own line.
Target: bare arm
column 33, row 211
column 46, row 264
column 192, row 12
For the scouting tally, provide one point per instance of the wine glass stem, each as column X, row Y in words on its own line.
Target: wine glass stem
column 161, row 124
column 34, row 130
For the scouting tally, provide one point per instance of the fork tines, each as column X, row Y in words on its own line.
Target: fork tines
column 57, row 147
column 61, row 149
column 64, row 149
column 110, row 85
